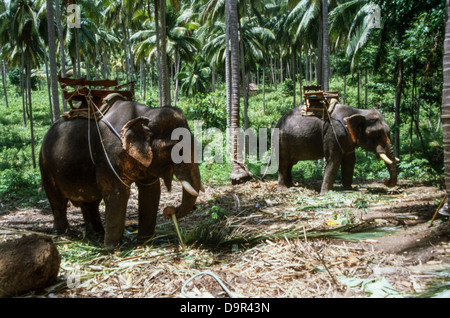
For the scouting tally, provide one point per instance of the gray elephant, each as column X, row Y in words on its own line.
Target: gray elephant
column 85, row 161
column 335, row 139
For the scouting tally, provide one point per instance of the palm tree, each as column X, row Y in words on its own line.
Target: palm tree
column 239, row 172
column 23, row 30
column 62, row 53
column 325, row 48
column 195, row 76
column 446, row 99
column 52, row 58
column 4, row 39
column 350, row 24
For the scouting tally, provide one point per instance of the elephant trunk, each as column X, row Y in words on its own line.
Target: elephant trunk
column 387, row 154
column 189, row 176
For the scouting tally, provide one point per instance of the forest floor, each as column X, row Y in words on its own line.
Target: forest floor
column 369, row 242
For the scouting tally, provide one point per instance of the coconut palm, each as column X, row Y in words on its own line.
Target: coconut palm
column 308, row 18
column 351, row 25
column 4, row 39
column 239, row 172
column 52, row 59
column 446, row 99
column 24, row 34
column 195, row 76
column 181, row 45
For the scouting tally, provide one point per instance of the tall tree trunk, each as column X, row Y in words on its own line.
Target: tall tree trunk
column 77, row 46
column 30, row 110
column 22, row 88
column 294, row 70
column 264, row 87
column 165, row 85
column 325, row 49
column 397, row 102
column 3, row 71
column 127, row 58
column 239, row 172
column 446, row 101
column 158, row 51
column 365, row 89
column 243, row 74
column 52, row 59
column 228, row 63
column 61, row 49
column 130, row 57
column 49, row 93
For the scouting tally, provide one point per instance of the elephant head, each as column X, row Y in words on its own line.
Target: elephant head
column 369, row 131
column 147, row 140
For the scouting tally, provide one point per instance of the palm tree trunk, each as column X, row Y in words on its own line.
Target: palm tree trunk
column 61, row 48
column 325, row 49
column 228, row 63
column 294, row 70
column 22, row 88
column 3, row 71
column 446, row 99
column 52, row 59
column 49, row 93
column 78, row 62
column 165, row 85
column 127, row 58
column 30, row 109
column 244, row 75
column 397, row 102
column 239, row 172
column 158, row 52
column 264, row 87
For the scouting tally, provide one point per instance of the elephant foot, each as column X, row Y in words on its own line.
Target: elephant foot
column 61, row 227
column 347, row 187
column 283, row 187
column 95, row 235
column 144, row 239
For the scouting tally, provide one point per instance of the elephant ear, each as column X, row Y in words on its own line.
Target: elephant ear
column 356, row 125
column 136, row 140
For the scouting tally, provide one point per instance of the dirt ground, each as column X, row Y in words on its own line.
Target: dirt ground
column 403, row 263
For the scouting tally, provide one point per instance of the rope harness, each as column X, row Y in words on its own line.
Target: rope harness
column 92, row 104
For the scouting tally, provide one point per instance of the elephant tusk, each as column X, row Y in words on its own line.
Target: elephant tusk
column 187, row 186
column 385, row 158
column 397, row 159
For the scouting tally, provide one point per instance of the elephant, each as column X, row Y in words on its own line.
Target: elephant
column 87, row 161
column 334, row 138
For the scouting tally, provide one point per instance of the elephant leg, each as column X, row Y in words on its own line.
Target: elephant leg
column 331, row 169
column 59, row 209
column 285, row 176
column 92, row 218
column 149, row 196
column 58, row 203
column 347, row 169
column 115, row 196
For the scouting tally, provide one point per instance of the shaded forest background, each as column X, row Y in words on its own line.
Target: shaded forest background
column 394, row 65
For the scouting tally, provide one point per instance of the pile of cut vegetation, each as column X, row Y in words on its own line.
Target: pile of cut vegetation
column 258, row 242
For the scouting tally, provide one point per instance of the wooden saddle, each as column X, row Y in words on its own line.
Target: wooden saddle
column 85, row 95
column 318, row 102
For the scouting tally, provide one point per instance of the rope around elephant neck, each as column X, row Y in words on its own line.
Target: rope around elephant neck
column 101, row 138
column 334, row 131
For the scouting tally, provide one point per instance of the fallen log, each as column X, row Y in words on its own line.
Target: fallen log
column 27, row 264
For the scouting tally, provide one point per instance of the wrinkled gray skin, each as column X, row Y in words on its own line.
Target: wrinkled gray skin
column 310, row 138
column 141, row 155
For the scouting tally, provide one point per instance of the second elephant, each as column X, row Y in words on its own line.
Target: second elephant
column 335, row 139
